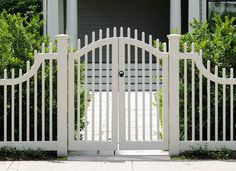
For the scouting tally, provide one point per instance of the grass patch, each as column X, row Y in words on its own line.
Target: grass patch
column 202, row 153
column 11, row 153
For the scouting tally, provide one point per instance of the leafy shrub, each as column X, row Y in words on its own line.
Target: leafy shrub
column 11, row 153
column 217, row 39
column 204, row 153
column 19, row 37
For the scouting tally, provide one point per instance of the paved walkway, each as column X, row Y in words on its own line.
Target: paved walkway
column 117, row 166
column 132, row 116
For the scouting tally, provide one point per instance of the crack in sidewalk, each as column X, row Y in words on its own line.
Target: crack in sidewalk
column 10, row 165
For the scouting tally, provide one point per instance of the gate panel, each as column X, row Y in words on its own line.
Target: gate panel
column 93, row 95
column 143, row 111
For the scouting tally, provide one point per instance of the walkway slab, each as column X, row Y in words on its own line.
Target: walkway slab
column 185, row 166
column 4, row 165
column 209, row 165
column 68, row 166
column 123, row 155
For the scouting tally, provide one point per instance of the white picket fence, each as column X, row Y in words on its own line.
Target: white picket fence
column 25, row 123
column 34, row 118
column 204, row 125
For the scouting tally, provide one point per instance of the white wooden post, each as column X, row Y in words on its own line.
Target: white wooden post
column 174, row 94
column 62, row 50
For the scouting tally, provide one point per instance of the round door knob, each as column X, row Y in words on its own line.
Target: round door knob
column 121, row 73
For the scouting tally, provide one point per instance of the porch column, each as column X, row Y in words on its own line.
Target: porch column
column 204, row 10
column 72, row 21
column 53, row 19
column 194, row 9
column 45, row 17
column 175, row 15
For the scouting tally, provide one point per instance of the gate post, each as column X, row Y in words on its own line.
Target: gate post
column 173, row 94
column 62, row 50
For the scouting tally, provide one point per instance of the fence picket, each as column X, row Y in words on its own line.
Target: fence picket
column 143, row 86
column 28, row 104
column 200, row 106
column 5, row 107
column 158, row 96
column 107, row 85
column 158, row 91
column 136, row 85
column 185, row 96
column 150, row 87
column 208, row 104
column 231, row 106
column 224, row 107
column 129, row 82
column 43, row 101
column 12, row 107
column 35, row 107
column 50, row 100
column 193, row 100
column 100, row 87
column 78, row 93
column 20, row 107
column 185, row 101
column 93, row 86
column 85, row 91
column 216, row 105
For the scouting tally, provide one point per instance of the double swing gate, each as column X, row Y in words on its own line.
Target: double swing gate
column 118, row 113
column 117, row 90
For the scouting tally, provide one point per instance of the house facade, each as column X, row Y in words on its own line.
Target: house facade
column 157, row 17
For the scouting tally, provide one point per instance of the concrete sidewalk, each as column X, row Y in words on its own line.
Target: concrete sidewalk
column 229, row 165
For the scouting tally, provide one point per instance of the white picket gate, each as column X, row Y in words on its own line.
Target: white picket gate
column 117, row 107
column 117, row 126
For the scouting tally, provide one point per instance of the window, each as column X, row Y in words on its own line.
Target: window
column 222, row 7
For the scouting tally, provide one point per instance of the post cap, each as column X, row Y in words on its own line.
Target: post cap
column 61, row 36
column 174, row 36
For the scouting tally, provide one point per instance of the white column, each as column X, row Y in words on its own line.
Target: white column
column 193, row 11
column 72, row 21
column 204, row 10
column 61, row 17
column 175, row 15
column 45, row 16
column 53, row 19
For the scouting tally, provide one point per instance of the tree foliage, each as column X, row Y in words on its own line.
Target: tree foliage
column 27, row 8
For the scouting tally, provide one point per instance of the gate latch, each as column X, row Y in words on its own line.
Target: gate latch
column 121, row 73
